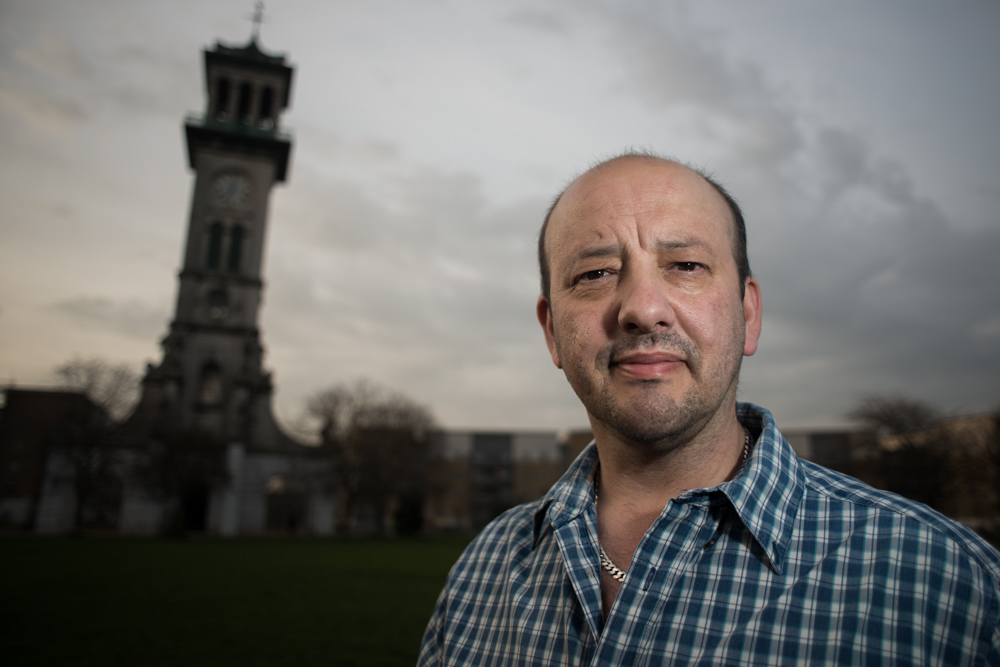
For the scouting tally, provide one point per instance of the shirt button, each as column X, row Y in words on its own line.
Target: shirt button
column 709, row 544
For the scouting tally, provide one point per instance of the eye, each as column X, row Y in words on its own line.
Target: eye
column 687, row 266
column 596, row 274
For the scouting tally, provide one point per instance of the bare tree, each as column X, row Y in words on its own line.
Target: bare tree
column 114, row 387
column 83, row 440
column 87, row 443
column 380, row 447
column 893, row 414
column 903, row 455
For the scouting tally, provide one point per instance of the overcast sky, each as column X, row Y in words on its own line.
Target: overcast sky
column 430, row 135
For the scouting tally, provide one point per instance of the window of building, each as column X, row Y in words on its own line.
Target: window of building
column 266, row 115
column 243, row 107
column 211, row 384
column 222, row 99
column 214, row 246
column 235, row 249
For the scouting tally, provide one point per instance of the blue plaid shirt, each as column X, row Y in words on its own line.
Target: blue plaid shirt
column 787, row 563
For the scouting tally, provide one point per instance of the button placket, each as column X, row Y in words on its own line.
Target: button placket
column 665, row 553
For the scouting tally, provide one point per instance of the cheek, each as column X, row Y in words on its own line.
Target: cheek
column 712, row 324
column 579, row 335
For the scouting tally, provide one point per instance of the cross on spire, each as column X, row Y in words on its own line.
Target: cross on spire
column 257, row 18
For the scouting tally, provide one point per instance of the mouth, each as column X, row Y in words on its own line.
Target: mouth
column 648, row 365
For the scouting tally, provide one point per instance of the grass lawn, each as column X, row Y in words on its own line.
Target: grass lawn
column 118, row 601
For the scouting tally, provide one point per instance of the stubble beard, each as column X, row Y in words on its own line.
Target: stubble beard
column 650, row 417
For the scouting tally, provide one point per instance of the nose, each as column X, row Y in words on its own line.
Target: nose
column 645, row 304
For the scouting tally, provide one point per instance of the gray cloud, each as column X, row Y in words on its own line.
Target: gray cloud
column 135, row 319
column 545, row 21
column 878, row 280
column 867, row 283
column 429, row 139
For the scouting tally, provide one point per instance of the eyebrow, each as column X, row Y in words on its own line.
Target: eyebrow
column 681, row 244
column 599, row 251
column 613, row 250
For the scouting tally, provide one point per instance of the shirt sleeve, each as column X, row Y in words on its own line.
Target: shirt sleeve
column 993, row 657
column 431, row 646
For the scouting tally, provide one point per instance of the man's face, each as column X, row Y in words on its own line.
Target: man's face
column 645, row 315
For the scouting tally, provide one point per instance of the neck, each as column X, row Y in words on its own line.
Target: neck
column 645, row 477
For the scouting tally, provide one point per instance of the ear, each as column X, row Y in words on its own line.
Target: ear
column 544, row 313
column 752, row 314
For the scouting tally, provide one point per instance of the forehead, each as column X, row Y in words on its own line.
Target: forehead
column 639, row 196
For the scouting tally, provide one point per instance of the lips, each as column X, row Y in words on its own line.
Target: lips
column 649, row 364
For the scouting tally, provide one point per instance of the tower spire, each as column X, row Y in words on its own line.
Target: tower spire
column 257, row 18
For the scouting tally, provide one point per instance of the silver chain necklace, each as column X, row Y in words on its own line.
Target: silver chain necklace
column 616, row 572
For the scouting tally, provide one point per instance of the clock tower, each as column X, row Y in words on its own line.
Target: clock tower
column 211, row 380
column 202, row 450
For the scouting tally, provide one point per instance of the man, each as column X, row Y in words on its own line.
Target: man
column 689, row 532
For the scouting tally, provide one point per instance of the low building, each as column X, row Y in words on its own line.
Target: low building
column 482, row 473
column 30, row 421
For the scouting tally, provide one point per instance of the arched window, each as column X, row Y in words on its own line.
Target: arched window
column 235, row 249
column 222, row 99
column 214, row 256
column 266, row 115
column 243, row 109
column 210, row 391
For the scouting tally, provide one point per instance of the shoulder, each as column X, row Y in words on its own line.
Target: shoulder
column 506, row 600
column 498, row 544
column 911, row 527
column 831, row 510
column 511, row 537
column 471, row 607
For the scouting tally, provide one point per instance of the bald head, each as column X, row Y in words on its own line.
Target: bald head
column 738, row 235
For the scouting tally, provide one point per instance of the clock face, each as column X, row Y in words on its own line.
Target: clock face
column 231, row 189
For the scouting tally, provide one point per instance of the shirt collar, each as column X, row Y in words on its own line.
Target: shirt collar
column 571, row 496
column 768, row 489
column 765, row 493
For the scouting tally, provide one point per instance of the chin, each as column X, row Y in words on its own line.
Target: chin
column 653, row 420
